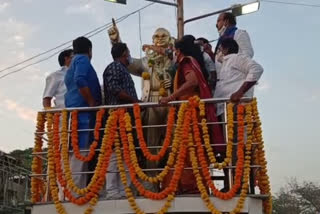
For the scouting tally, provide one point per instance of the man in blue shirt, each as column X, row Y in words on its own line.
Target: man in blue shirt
column 83, row 90
column 118, row 89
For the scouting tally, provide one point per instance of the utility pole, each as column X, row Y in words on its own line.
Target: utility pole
column 180, row 19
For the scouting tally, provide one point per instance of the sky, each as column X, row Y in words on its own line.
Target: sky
column 285, row 40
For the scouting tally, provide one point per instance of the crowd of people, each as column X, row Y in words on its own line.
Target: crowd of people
column 228, row 71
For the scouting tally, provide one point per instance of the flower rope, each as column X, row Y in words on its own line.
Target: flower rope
column 172, row 154
column 98, row 179
column 203, row 162
column 36, row 182
column 74, row 136
column 263, row 178
column 128, row 190
column 171, row 188
column 142, row 142
column 206, row 137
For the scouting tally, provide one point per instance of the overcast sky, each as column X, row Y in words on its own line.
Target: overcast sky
column 285, row 39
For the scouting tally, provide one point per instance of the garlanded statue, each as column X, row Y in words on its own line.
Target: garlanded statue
column 156, row 70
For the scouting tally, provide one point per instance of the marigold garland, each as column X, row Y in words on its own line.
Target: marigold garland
column 185, row 134
column 53, row 147
column 263, row 178
column 206, row 136
column 202, row 189
column 172, row 154
column 203, row 162
column 98, row 178
column 142, row 142
column 74, row 136
column 36, row 182
column 178, row 166
column 128, row 190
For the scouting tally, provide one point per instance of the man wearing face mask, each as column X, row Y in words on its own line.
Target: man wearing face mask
column 239, row 74
column 226, row 26
column 118, row 84
column 118, row 89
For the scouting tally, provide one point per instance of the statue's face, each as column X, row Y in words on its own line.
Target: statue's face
column 161, row 38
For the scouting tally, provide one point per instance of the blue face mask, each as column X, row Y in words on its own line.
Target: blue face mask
column 130, row 60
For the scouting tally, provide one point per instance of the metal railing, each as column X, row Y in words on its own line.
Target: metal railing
column 230, row 168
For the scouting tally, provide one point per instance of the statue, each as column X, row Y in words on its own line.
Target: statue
column 156, row 70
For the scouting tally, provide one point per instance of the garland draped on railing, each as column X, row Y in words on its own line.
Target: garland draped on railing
column 185, row 138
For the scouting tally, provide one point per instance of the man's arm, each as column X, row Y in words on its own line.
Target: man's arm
column 254, row 72
column 50, row 90
column 235, row 97
column 122, row 95
column 86, row 94
column 138, row 66
column 80, row 78
column 244, row 42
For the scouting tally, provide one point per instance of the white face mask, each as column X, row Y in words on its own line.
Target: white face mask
column 222, row 30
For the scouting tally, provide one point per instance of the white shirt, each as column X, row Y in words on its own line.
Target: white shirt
column 208, row 62
column 236, row 69
column 245, row 47
column 55, row 87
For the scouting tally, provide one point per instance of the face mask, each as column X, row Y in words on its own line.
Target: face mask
column 130, row 60
column 222, row 30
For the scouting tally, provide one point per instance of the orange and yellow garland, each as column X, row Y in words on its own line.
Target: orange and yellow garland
column 36, row 182
column 142, row 142
column 74, row 135
column 187, row 140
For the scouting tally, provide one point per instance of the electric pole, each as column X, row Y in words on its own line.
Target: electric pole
column 180, row 19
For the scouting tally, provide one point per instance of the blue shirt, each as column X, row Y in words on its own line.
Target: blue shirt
column 81, row 74
column 116, row 78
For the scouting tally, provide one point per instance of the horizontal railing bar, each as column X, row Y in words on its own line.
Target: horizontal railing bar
column 145, row 170
column 150, row 147
column 147, row 104
column 146, row 126
column 257, row 196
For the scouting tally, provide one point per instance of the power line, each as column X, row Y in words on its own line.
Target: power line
column 291, row 3
column 92, row 32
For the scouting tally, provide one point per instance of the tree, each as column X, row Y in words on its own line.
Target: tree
column 23, row 157
column 298, row 198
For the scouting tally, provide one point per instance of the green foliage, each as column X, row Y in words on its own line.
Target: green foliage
column 297, row 198
column 23, row 157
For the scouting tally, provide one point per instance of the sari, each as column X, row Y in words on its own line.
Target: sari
column 187, row 183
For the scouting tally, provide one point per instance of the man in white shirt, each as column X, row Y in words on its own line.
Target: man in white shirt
column 226, row 26
column 55, row 87
column 238, row 75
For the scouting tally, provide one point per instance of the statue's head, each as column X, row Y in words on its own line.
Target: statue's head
column 161, row 37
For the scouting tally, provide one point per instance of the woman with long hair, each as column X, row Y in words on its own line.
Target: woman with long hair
column 190, row 81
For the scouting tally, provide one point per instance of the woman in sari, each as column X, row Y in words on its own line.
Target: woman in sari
column 190, row 81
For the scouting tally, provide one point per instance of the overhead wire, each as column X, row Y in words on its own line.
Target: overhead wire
column 88, row 34
column 291, row 3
